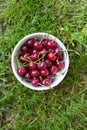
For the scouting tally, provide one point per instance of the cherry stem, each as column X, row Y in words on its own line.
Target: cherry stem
column 48, row 85
column 47, row 35
column 40, row 84
column 40, row 59
column 40, row 77
column 26, row 59
column 44, row 85
column 58, row 51
column 57, row 60
column 20, row 64
column 25, row 64
column 42, row 39
column 44, row 36
column 44, row 52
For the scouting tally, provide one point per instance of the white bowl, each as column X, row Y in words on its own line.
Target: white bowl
column 59, row 76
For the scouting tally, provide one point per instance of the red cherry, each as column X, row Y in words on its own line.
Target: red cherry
column 42, row 65
column 46, row 81
column 27, row 76
column 57, row 49
column 44, row 42
column 51, row 78
column 53, row 70
column 21, row 71
column 45, row 72
column 27, row 55
column 24, row 49
column 49, row 63
column 51, row 44
column 21, row 59
column 30, row 43
column 32, row 66
column 51, row 56
column 24, row 58
column 37, row 46
column 35, row 82
column 60, row 55
column 43, row 51
column 60, row 65
column 40, row 78
column 34, row 57
column 35, row 73
column 34, row 51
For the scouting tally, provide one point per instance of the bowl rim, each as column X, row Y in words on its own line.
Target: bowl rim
column 22, row 42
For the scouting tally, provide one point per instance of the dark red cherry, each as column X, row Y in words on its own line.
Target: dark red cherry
column 24, row 49
column 44, row 42
column 30, row 43
column 53, row 70
column 51, row 44
column 45, row 72
column 27, row 55
column 32, row 66
column 27, row 76
column 21, row 59
column 48, row 62
column 34, row 51
column 42, row 65
column 35, row 82
column 42, row 52
column 21, row 71
column 60, row 65
column 35, row 73
column 46, row 81
column 57, row 49
column 51, row 56
column 24, row 58
column 60, row 55
column 34, row 57
column 51, row 77
column 37, row 46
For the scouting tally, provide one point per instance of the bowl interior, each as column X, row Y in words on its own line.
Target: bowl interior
column 59, row 76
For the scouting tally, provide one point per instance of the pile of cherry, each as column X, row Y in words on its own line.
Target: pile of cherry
column 39, row 61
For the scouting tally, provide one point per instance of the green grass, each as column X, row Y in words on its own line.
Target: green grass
column 65, row 106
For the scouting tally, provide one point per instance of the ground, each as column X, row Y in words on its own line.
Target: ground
column 61, row 108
